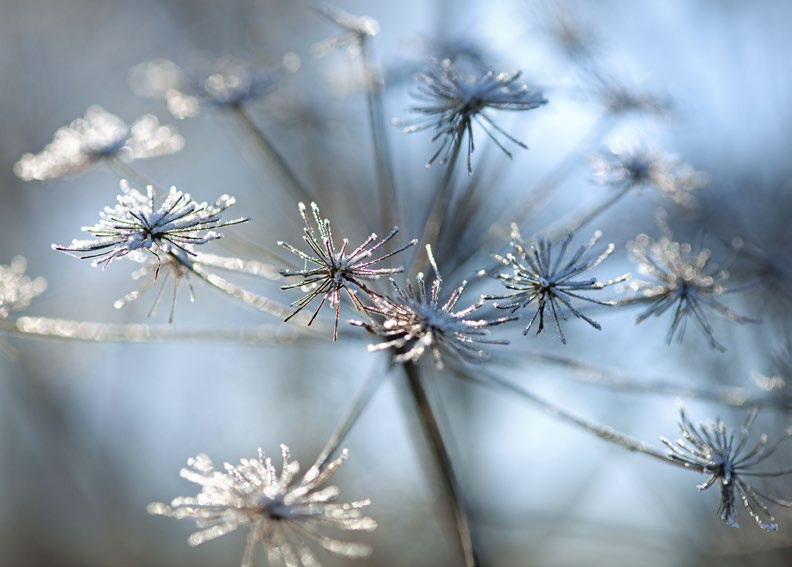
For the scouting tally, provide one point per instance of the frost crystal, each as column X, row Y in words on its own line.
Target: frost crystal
column 779, row 384
column 414, row 320
column 535, row 276
column 684, row 278
column 99, row 134
column 17, row 290
column 454, row 99
column 714, row 449
column 137, row 223
column 329, row 271
column 648, row 167
column 230, row 84
column 282, row 511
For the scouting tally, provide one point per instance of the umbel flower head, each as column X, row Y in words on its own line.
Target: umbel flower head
column 231, row 83
column 536, row 277
column 645, row 166
column 329, row 270
column 138, row 222
column 714, row 449
column 414, row 320
column 683, row 277
column 453, row 98
column 283, row 512
column 18, row 290
column 99, row 134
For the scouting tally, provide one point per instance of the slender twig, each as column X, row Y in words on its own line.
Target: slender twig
column 604, row 432
column 566, row 226
column 386, row 181
column 450, row 484
column 611, row 378
column 268, row 148
column 370, row 387
column 438, row 212
column 91, row 331
column 125, row 171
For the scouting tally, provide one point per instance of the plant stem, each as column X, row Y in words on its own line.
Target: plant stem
column 570, row 226
column 604, row 432
column 386, row 181
column 437, row 214
column 370, row 387
column 269, row 150
column 449, row 481
column 125, row 171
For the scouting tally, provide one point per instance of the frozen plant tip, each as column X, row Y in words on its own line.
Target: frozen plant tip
column 18, row 290
column 356, row 29
column 684, row 278
column 284, row 512
column 138, row 223
column 328, row 271
column 414, row 320
column 454, row 98
column 644, row 166
column 536, row 277
column 714, row 449
column 99, row 134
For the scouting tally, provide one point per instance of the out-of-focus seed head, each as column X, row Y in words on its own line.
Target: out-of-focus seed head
column 283, row 511
column 18, row 290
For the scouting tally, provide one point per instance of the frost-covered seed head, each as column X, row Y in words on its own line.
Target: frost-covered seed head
column 682, row 276
column 725, row 454
column 99, row 134
column 454, row 97
column 329, row 270
column 536, row 277
column 413, row 320
column 137, row 222
column 647, row 166
column 18, row 290
column 285, row 512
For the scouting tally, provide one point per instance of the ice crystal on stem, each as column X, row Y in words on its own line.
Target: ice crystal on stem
column 230, row 84
column 138, row 223
column 414, row 320
column 329, row 270
column 683, row 277
column 454, row 98
column 536, row 277
column 99, row 134
column 18, row 290
column 643, row 166
column 714, row 449
column 284, row 512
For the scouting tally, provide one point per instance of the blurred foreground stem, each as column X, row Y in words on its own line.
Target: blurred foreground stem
column 449, row 481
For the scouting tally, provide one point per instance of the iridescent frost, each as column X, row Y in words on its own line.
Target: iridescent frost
column 284, row 512
column 18, row 290
column 99, row 134
column 414, row 320
column 328, row 271
column 536, row 277
column 714, row 449
column 138, row 222
column 453, row 98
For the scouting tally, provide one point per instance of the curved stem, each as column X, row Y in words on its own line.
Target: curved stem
column 437, row 214
column 370, row 387
column 573, row 225
column 449, row 480
column 386, row 181
column 604, row 432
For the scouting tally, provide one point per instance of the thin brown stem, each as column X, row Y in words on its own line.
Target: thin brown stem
column 443, row 460
column 271, row 152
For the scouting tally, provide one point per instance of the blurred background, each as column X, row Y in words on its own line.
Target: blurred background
column 92, row 432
